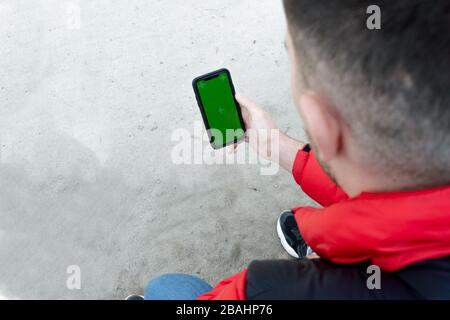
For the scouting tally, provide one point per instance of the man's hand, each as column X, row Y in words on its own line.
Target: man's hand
column 261, row 130
column 259, row 125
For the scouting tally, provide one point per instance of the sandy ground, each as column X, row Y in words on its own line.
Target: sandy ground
column 91, row 93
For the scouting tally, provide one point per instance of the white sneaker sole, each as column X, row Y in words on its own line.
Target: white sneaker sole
column 283, row 241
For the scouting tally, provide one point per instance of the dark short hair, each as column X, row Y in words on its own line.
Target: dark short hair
column 391, row 86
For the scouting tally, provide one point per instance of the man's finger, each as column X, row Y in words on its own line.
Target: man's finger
column 245, row 115
column 246, row 103
column 231, row 148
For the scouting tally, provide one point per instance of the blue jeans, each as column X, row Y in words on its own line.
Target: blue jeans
column 175, row 286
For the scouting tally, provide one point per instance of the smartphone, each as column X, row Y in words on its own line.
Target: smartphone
column 220, row 111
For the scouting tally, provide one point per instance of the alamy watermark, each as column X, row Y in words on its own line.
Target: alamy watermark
column 73, row 281
column 196, row 148
column 73, row 16
column 373, row 282
column 373, row 22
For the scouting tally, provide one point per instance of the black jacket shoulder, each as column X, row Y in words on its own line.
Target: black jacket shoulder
column 321, row 279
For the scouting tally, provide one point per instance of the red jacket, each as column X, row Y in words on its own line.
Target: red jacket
column 391, row 230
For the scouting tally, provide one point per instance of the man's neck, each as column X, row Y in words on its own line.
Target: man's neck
column 354, row 180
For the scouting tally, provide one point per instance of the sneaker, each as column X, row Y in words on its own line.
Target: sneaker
column 134, row 297
column 290, row 237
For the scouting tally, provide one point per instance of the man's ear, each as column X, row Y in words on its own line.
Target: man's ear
column 322, row 124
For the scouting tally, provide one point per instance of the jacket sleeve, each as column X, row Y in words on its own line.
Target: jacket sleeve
column 313, row 180
column 232, row 288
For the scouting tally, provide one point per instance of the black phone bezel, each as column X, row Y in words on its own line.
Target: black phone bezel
column 209, row 76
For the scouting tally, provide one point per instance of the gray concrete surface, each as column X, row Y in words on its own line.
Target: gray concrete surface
column 90, row 94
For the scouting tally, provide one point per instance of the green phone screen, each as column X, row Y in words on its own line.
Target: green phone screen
column 220, row 109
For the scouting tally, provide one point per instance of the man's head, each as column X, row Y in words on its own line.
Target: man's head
column 376, row 103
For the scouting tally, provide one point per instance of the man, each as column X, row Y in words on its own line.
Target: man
column 376, row 107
